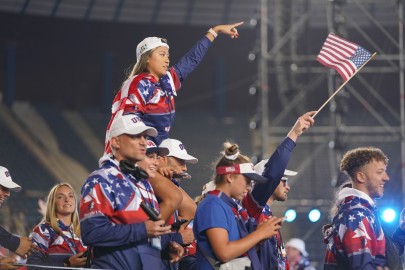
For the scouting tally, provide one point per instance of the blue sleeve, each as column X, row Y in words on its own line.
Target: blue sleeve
column 99, row 231
column 192, row 58
column 8, row 240
column 399, row 240
column 273, row 171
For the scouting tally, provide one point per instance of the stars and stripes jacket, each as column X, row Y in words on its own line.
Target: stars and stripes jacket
column 53, row 247
column 112, row 221
column 356, row 239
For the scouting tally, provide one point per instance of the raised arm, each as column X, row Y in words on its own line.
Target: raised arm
column 274, row 168
column 194, row 56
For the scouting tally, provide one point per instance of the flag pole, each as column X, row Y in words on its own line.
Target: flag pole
column 340, row 87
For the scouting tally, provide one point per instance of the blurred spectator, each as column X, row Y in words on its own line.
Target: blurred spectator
column 22, row 246
column 297, row 255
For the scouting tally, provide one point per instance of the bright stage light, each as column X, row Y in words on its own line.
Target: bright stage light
column 389, row 215
column 290, row 215
column 314, row 215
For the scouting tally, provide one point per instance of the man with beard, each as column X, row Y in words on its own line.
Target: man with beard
column 356, row 239
column 272, row 252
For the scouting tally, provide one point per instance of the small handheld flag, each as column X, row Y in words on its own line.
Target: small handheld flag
column 342, row 55
column 346, row 57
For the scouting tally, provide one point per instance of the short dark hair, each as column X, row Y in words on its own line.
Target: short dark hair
column 355, row 159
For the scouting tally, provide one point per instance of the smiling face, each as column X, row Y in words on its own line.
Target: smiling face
column 65, row 201
column 4, row 194
column 150, row 164
column 373, row 176
column 158, row 62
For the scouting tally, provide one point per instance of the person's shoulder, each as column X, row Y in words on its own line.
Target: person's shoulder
column 355, row 217
column 44, row 230
column 101, row 174
column 210, row 201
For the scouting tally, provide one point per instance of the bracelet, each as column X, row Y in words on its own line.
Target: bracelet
column 212, row 32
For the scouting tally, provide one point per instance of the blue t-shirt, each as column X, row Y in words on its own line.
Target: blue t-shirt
column 212, row 212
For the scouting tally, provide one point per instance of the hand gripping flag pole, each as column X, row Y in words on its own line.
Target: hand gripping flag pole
column 346, row 57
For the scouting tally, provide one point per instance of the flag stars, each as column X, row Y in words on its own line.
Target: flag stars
column 95, row 180
column 109, row 189
column 351, row 218
column 360, row 214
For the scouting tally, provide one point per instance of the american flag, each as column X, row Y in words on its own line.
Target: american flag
column 342, row 55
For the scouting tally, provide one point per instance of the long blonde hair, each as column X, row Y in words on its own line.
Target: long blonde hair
column 51, row 217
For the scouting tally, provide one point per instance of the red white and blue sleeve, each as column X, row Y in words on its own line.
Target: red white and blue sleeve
column 96, row 212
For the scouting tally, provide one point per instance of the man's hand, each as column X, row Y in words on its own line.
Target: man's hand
column 176, row 251
column 7, row 263
column 26, row 247
column 77, row 260
column 156, row 228
column 303, row 123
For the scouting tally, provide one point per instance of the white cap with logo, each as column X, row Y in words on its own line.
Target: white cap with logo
column 177, row 150
column 6, row 181
column 259, row 168
column 151, row 147
column 130, row 124
column 148, row 44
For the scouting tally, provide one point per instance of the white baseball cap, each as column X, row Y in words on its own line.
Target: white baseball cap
column 245, row 168
column 6, row 181
column 178, row 150
column 298, row 244
column 148, row 44
column 151, row 147
column 130, row 124
column 259, row 168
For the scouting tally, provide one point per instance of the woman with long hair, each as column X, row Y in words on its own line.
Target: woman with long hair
column 58, row 234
